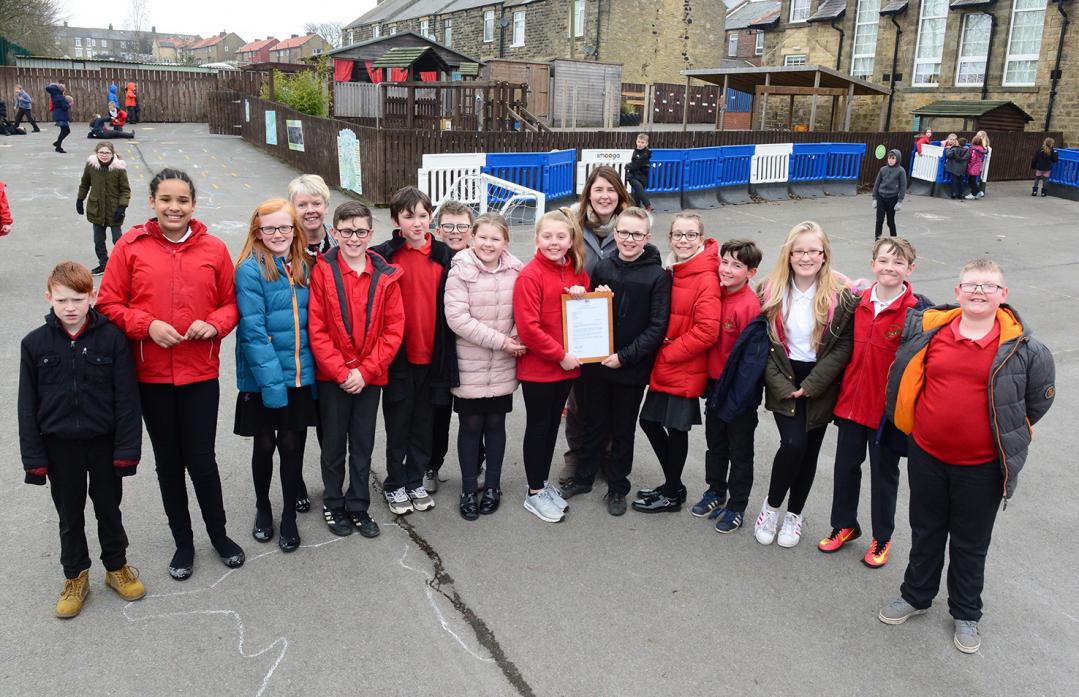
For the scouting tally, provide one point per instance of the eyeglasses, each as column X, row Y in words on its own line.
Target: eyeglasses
column 448, row 228
column 270, row 231
column 803, row 253
column 690, row 236
column 630, row 235
column 987, row 288
column 360, row 232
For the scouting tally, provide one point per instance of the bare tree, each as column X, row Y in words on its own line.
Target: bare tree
column 138, row 21
column 31, row 24
column 331, row 31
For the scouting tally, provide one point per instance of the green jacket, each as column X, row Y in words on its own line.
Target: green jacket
column 822, row 384
column 108, row 189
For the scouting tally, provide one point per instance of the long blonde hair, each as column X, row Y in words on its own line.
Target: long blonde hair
column 565, row 216
column 778, row 283
column 985, row 138
column 254, row 246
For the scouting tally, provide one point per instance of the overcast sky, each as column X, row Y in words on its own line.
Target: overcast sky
column 251, row 20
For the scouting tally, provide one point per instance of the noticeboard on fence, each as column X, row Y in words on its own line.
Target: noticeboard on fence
column 348, row 161
column 294, row 133
column 271, row 127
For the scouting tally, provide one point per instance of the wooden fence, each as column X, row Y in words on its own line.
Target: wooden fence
column 666, row 102
column 164, row 95
column 391, row 157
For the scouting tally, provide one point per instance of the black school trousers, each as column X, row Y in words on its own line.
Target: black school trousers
column 71, row 464
column 182, row 423
column 951, row 506
column 728, row 461
column 25, row 114
column 852, row 443
column 544, row 402
column 408, row 413
column 795, row 463
column 348, row 425
column 885, row 208
column 609, row 410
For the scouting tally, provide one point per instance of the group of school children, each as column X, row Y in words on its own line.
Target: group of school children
column 328, row 326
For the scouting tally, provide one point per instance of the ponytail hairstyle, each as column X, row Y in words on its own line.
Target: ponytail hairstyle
column 564, row 216
column 299, row 263
column 985, row 138
column 1047, row 146
column 777, row 285
column 171, row 173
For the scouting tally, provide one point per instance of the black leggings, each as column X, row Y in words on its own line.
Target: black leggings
column 671, row 447
column 474, row 431
column 64, row 131
column 795, row 464
column 290, row 447
column 544, row 402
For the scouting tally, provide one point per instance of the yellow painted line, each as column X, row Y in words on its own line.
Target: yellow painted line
column 247, row 186
column 216, row 187
column 234, row 174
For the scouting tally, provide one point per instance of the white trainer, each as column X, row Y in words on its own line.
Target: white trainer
column 399, row 502
column 543, row 506
column 765, row 527
column 791, row 532
column 556, row 496
column 421, row 500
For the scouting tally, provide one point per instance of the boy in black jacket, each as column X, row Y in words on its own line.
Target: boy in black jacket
column 610, row 392
column 79, row 418
column 425, row 367
column 637, row 171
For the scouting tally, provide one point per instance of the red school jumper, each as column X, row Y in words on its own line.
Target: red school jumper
column 537, row 311
column 150, row 277
column 737, row 309
column 876, row 339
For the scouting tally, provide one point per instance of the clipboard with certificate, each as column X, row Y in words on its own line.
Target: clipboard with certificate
column 588, row 326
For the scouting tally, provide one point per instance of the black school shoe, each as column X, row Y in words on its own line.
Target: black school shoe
column 490, row 500
column 573, row 488
column 232, row 555
column 289, row 541
column 616, row 503
column 658, row 504
column 262, row 530
column 659, row 491
column 468, row 506
column 183, row 562
column 363, row 524
column 337, row 521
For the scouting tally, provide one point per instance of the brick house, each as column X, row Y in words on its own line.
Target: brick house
column 745, row 39
column 947, row 49
column 108, row 43
column 653, row 40
column 216, row 49
column 296, row 48
column 257, row 51
column 170, row 49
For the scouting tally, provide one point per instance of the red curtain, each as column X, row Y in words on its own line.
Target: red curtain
column 374, row 73
column 342, row 70
column 429, row 76
column 398, row 74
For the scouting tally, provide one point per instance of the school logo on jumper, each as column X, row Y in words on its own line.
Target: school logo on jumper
column 1050, row 392
column 728, row 326
column 892, row 332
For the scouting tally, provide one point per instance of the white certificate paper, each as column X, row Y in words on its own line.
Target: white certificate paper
column 587, row 324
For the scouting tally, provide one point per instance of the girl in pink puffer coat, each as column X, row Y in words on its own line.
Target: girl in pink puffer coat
column 479, row 309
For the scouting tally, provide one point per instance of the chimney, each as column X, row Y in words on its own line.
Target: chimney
column 294, row 36
column 222, row 33
column 110, row 27
column 153, row 29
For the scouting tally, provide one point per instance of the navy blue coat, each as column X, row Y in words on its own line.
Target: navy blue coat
column 739, row 388
column 60, row 108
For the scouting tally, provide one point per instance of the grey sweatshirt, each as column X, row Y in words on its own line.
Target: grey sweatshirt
column 891, row 181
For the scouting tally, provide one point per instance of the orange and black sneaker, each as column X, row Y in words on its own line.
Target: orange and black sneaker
column 877, row 554
column 839, row 537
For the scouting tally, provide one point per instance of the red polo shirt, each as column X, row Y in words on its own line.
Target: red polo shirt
column 952, row 417
column 419, row 290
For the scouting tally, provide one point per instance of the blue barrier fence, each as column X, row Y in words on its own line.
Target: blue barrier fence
column 844, row 160
column 699, row 168
column 1066, row 169
column 734, row 164
column 549, row 172
column 809, row 162
column 665, row 175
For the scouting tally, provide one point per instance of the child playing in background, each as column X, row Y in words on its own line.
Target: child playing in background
column 889, row 190
column 1042, row 164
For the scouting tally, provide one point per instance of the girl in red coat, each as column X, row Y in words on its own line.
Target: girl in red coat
column 169, row 287
column 672, row 405
column 546, row 370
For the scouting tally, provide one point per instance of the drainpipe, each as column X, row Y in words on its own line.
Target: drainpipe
column 1065, row 21
column 502, row 33
column 839, row 52
column 891, row 78
column 599, row 6
column 988, row 53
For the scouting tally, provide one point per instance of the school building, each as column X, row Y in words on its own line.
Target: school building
column 654, row 40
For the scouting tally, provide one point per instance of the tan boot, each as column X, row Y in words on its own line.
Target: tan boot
column 125, row 581
column 74, row 593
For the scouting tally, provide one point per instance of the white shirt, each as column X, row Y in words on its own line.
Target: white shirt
column 878, row 304
column 182, row 239
column 798, row 323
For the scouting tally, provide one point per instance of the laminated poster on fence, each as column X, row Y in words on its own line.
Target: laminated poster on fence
column 294, row 132
column 348, row 161
column 271, row 127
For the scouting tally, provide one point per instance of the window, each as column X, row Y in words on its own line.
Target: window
column 78, row 51
column 425, row 27
column 351, row 37
column 89, row 42
column 1024, row 42
column 973, row 48
column 393, row 30
column 865, row 39
column 799, row 59
column 104, row 43
column 578, row 18
column 732, row 43
column 316, row 51
column 759, row 48
column 376, row 31
column 78, row 41
column 799, row 10
column 488, row 26
column 930, row 46
column 447, row 32
column 518, row 29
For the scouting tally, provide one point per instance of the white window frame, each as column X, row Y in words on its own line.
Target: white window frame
column 1010, row 57
column 90, row 42
column 866, row 18
column 578, row 18
column 316, row 51
column 393, row 30
column 962, row 60
column 488, row 26
column 104, row 43
column 795, row 59
column 447, row 32
column 425, row 28
column 922, row 20
column 518, row 25
column 799, row 11
column 732, row 43
column 78, row 41
column 758, row 47
column 351, row 37
column 78, row 51
column 376, row 31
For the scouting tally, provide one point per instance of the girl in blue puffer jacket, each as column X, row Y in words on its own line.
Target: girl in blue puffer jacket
column 275, row 371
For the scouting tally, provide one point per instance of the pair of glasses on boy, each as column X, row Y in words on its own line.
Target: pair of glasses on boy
column 458, row 228
column 630, row 235
column 359, row 232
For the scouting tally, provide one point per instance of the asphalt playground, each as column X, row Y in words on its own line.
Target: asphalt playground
column 595, row 606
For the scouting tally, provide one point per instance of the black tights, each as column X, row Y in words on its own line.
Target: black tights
column 477, row 432
column 671, row 447
column 290, row 446
column 64, row 131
